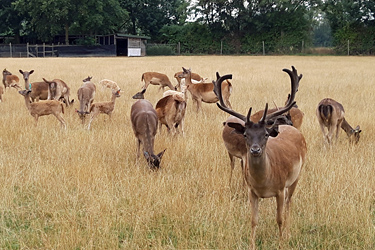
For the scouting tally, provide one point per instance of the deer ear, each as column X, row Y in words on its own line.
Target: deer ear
column 160, row 155
column 21, row 71
column 357, row 129
column 32, row 71
column 238, row 128
column 274, row 131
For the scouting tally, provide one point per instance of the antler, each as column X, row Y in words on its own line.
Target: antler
column 294, row 78
column 218, row 93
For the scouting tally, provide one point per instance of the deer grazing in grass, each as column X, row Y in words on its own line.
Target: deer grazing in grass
column 274, row 158
column 145, row 123
column 58, row 90
column 156, row 78
column 204, row 92
column 9, row 80
column 86, row 94
column 48, row 107
column 39, row 90
column 330, row 115
column 171, row 112
column 104, row 107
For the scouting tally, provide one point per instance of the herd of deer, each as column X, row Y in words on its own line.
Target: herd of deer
column 269, row 143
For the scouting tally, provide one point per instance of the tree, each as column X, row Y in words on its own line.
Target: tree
column 10, row 20
column 50, row 18
column 147, row 17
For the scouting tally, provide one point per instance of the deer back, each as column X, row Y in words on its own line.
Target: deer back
column 86, row 94
column 39, row 90
column 329, row 110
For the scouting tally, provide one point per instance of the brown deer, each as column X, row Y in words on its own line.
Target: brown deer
column 47, row 107
column 86, row 94
column 106, row 83
column 273, row 163
column 330, row 115
column 171, row 112
column 39, row 90
column 104, row 107
column 204, row 92
column 194, row 76
column 144, row 123
column 9, row 80
column 156, row 78
column 58, row 90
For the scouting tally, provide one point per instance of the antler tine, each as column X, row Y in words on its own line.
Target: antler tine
column 294, row 79
column 218, row 93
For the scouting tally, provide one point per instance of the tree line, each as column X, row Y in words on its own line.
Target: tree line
column 202, row 26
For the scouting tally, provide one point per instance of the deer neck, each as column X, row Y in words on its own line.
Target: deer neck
column 346, row 127
column 257, row 167
column 27, row 101
column 188, row 80
column 148, row 140
column 27, row 84
column 113, row 99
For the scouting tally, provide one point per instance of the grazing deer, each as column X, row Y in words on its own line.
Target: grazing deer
column 39, row 90
column 9, row 80
column 156, row 78
column 273, row 163
column 204, row 92
column 171, row 112
column 140, row 94
column 104, row 107
column 145, row 122
column 47, row 107
column 58, row 90
column 330, row 115
column 86, row 94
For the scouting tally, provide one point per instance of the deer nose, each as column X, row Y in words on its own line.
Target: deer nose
column 255, row 150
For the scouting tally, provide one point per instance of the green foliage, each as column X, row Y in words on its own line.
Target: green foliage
column 161, row 49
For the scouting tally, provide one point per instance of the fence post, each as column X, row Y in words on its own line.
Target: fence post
column 10, row 50
column 348, row 47
column 44, row 50
column 303, row 44
column 179, row 48
column 27, row 49
column 264, row 51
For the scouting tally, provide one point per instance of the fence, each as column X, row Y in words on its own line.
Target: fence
column 44, row 50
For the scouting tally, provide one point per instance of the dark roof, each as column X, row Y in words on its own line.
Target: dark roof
column 127, row 36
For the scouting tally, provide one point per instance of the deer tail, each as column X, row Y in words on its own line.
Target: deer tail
column 325, row 111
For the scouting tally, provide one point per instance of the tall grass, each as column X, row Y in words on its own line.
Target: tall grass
column 80, row 189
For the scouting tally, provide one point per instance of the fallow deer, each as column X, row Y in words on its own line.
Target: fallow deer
column 156, row 78
column 194, row 76
column 171, row 112
column 330, row 115
column 273, row 163
column 39, row 90
column 145, row 124
column 86, row 94
column 104, row 107
column 47, row 107
column 140, row 94
column 58, row 90
column 106, row 83
column 9, row 80
column 204, row 92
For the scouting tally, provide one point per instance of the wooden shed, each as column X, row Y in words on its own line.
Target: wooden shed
column 126, row 45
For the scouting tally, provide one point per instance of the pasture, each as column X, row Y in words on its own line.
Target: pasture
column 81, row 189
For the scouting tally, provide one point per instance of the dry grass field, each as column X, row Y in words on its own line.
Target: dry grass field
column 80, row 189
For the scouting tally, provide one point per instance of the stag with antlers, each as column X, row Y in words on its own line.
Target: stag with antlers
column 275, row 155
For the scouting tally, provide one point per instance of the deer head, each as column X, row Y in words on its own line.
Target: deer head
column 257, row 134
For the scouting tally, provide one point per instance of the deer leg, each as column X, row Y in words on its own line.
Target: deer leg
column 254, row 215
column 138, row 149
column 36, row 120
column 280, row 199
column 199, row 105
column 231, row 157
column 288, row 201
column 61, row 120
column 93, row 115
